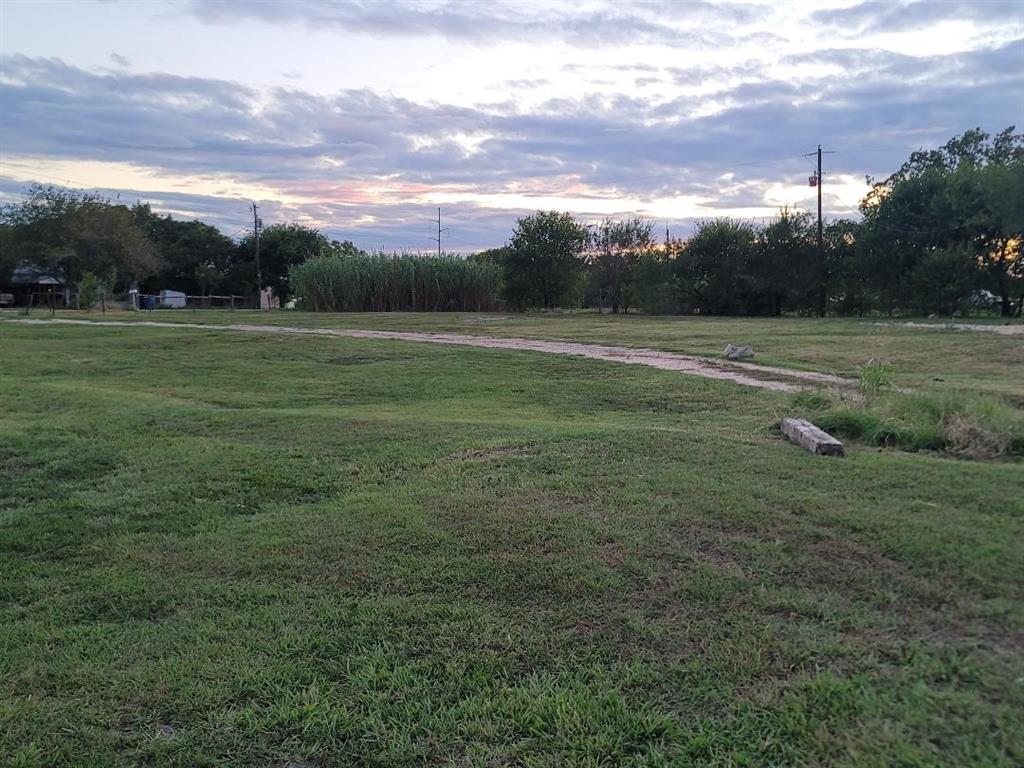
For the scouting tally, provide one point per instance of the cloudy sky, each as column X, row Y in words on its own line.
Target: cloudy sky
column 361, row 118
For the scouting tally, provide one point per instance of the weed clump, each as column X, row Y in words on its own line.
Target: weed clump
column 961, row 423
column 874, row 377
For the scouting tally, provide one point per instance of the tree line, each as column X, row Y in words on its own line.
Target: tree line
column 941, row 235
column 74, row 235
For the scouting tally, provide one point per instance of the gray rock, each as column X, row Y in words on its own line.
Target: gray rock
column 738, row 353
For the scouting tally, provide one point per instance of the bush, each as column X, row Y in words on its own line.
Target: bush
column 396, row 282
column 88, row 291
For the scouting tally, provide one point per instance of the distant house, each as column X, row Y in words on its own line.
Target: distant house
column 36, row 285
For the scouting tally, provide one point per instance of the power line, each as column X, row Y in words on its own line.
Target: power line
column 63, row 181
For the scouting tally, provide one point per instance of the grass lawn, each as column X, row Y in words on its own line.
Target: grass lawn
column 920, row 357
column 233, row 549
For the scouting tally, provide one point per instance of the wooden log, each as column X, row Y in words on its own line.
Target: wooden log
column 802, row 432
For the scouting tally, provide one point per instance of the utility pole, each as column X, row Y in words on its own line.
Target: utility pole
column 439, row 231
column 821, row 238
column 256, row 224
column 822, row 266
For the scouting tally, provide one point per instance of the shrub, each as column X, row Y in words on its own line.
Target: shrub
column 88, row 291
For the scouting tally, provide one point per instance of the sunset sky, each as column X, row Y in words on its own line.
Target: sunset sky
column 363, row 118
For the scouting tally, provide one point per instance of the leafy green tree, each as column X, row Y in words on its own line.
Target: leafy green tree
column 88, row 291
column 207, row 277
column 1000, row 219
column 345, row 248
column 490, row 256
column 71, row 232
column 8, row 252
column 653, row 288
column 944, row 280
column 967, row 195
column 849, row 280
column 784, row 271
column 616, row 248
column 544, row 262
column 713, row 268
column 194, row 256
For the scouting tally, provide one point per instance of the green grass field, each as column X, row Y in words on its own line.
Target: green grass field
column 936, row 359
column 233, row 549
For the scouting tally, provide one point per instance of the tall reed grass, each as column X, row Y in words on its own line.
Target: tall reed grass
column 388, row 282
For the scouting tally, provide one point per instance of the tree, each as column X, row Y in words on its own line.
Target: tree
column 71, row 232
column 966, row 196
column 849, row 280
column 1000, row 218
column 713, row 268
column 653, row 288
column 194, row 256
column 88, row 291
column 8, row 252
column 616, row 250
column 544, row 261
column 490, row 255
column 281, row 246
column 944, row 280
column 784, row 268
column 345, row 248
column 207, row 276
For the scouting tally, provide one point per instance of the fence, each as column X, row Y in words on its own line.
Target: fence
column 150, row 301
column 54, row 300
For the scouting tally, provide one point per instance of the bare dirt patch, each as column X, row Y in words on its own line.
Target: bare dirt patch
column 1003, row 330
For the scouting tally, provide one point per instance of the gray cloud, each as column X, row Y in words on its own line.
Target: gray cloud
column 325, row 149
column 890, row 16
column 527, row 84
column 689, row 24
column 698, row 74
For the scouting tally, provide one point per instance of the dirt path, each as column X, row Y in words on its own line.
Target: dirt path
column 1003, row 330
column 747, row 374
